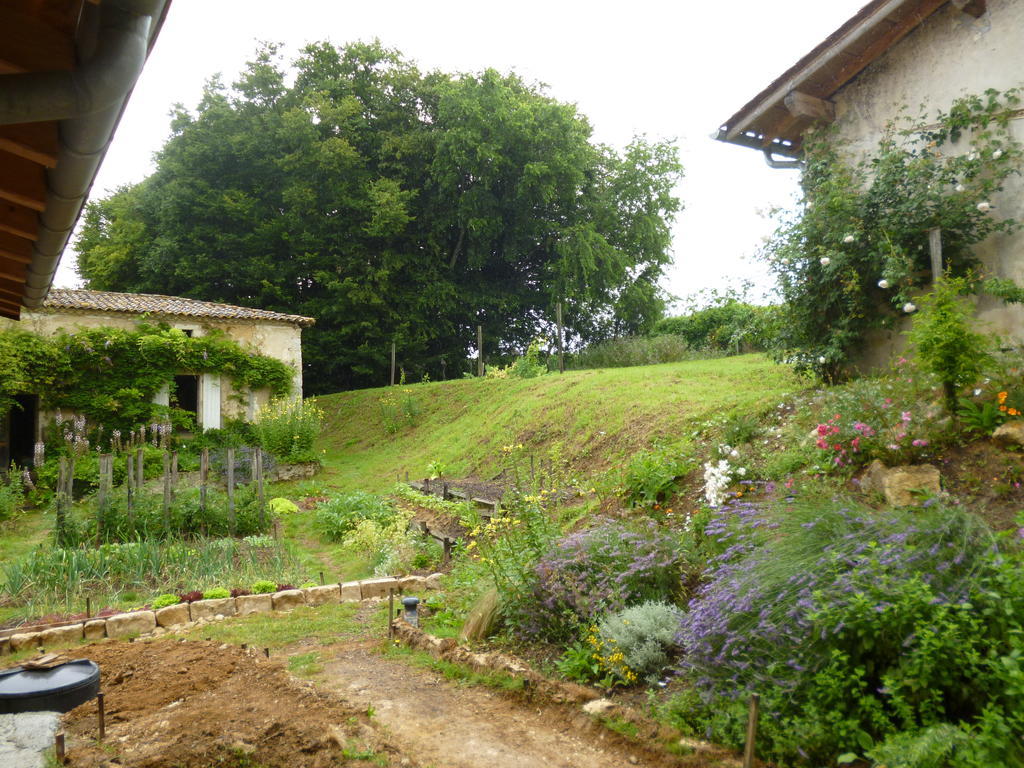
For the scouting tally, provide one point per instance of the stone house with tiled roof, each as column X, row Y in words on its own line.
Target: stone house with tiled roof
column 210, row 397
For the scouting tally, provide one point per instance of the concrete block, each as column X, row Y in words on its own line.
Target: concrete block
column 207, row 609
column 24, row 640
column 378, row 587
column 351, row 592
column 60, row 635
column 135, row 623
column 171, row 615
column 254, row 604
column 96, row 629
column 412, row 583
column 330, row 593
column 290, row 598
column 5, row 646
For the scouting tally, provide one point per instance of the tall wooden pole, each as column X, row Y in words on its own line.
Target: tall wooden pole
column 561, row 350
column 393, row 350
column 204, row 472
column 935, row 248
column 479, row 350
column 231, row 489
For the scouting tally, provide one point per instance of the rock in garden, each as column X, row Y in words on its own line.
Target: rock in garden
column 24, row 640
column 208, row 609
column 905, row 486
column 124, row 624
column 290, row 598
column 378, row 587
column 599, row 707
column 412, row 583
column 172, row 615
column 253, row 604
column 329, row 593
column 1010, row 433
column 95, row 629
column 433, row 581
column 61, row 635
column 351, row 592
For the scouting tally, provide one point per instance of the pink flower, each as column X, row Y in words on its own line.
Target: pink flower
column 855, row 443
column 822, row 443
column 919, row 443
column 905, row 416
column 893, row 447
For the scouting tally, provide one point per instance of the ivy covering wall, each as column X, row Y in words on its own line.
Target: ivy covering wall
column 111, row 375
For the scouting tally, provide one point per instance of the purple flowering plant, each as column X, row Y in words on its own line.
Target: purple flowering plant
column 605, row 568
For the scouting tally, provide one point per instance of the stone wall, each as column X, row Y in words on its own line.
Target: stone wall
column 157, row 622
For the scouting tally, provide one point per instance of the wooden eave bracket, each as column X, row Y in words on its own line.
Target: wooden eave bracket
column 803, row 105
column 975, row 8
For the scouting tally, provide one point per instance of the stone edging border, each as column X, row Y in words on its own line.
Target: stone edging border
column 155, row 622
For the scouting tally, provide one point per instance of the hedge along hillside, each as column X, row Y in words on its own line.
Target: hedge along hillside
column 111, row 375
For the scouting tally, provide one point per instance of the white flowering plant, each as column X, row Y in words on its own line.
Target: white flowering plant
column 720, row 474
column 856, row 253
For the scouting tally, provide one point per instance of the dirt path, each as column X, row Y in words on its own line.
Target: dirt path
column 454, row 726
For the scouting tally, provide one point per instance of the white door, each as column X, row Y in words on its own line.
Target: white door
column 209, row 417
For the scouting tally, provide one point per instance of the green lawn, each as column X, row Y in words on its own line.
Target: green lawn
column 597, row 417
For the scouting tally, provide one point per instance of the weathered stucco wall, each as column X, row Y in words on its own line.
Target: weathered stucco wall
column 948, row 56
column 282, row 341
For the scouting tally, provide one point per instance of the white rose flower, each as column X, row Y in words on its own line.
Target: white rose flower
column 883, row 284
column 960, row 187
column 972, row 156
column 825, row 261
column 997, row 154
column 909, row 307
column 734, row 454
column 741, row 471
column 821, row 360
column 977, row 391
column 984, row 206
column 849, row 239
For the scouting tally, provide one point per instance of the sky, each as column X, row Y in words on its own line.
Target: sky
column 664, row 69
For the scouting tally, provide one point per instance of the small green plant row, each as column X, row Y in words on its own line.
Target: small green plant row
column 260, row 587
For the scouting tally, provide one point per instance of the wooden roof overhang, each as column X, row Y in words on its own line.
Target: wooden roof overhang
column 775, row 120
column 44, row 174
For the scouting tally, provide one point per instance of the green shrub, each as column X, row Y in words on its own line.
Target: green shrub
column 216, row 593
column 264, row 587
column 164, row 600
column 12, row 494
column 634, row 350
column 337, row 517
column 287, row 428
column 651, row 476
column 281, row 506
column 945, row 344
column 529, row 366
column 728, row 325
column 644, row 634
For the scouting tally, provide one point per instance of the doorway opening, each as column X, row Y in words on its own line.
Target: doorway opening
column 22, row 430
column 186, row 395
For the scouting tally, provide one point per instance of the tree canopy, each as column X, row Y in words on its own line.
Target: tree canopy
column 393, row 205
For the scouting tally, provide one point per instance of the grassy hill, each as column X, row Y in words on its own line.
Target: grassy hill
column 594, row 418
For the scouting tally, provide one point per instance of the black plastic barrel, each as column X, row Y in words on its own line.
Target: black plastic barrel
column 58, row 689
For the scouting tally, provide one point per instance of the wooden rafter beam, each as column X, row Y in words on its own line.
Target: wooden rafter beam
column 30, row 44
column 11, row 271
column 803, row 105
column 33, row 141
column 22, row 182
column 18, row 220
column 15, row 248
column 975, row 8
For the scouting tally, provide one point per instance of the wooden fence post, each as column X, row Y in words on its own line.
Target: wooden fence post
column 167, row 493
column 748, row 748
column 935, row 249
column 204, row 473
column 479, row 350
column 129, row 483
column 140, row 468
column 257, row 478
column 561, row 351
column 231, row 489
column 393, row 350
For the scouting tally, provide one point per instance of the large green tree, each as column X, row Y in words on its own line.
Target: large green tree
column 391, row 204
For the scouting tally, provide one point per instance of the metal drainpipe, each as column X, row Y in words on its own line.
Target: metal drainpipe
column 88, row 102
column 773, row 163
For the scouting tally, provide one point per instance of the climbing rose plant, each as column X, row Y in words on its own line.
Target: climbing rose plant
column 851, row 257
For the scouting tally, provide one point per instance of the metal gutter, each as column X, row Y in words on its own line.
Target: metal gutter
column 89, row 103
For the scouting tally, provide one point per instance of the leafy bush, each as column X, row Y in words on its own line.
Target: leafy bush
column 281, row 506
column 650, row 476
column 855, row 626
column 728, row 325
column 337, row 517
column 633, row 350
column 164, row 600
column 529, row 366
column 945, row 344
column 12, row 494
column 217, row 593
column 287, row 429
column 644, row 633
column 264, row 587
column 604, row 568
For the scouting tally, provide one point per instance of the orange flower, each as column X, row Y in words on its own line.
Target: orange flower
column 1002, row 408
column 1002, row 397
column 1013, row 412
